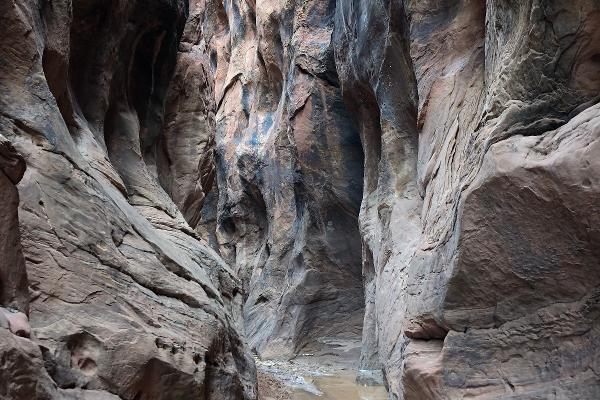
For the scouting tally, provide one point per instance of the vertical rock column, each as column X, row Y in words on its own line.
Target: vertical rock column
column 289, row 168
column 485, row 254
column 379, row 87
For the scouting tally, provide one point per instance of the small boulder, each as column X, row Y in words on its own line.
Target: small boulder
column 18, row 323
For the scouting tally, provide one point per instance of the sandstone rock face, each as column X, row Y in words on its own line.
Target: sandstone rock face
column 184, row 150
column 13, row 276
column 421, row 174
column 478, row 218
column 126, row 300
column 289, row 168
column 481, row 196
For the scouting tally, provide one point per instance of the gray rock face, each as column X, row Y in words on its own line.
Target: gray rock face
column 289, row 168
column 125, row 299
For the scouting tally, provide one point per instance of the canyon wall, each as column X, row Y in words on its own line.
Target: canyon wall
column 125, row 299
column 423, row 176
column 289, row 167
column 480, row 211
column 478, row 223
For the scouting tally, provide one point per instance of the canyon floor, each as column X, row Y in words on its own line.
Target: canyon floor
column 329, row 374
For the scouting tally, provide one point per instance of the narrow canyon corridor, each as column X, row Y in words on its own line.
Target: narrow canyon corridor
column 299, row 199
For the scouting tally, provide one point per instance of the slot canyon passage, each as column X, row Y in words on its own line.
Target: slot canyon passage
column 297, row 199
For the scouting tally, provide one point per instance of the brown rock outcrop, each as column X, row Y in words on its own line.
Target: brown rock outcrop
column 126, row 301
column 481, row 196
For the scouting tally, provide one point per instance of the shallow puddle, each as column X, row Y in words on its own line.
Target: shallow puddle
column 341, row 387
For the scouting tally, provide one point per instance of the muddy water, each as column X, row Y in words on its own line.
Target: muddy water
column 341, row 387
column 329, row 373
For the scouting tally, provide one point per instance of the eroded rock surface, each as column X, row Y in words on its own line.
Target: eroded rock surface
column 289, row 168
column 478, row 217
column 481, row 194
column 126, row 301
column 13, row 276
column 424, row 175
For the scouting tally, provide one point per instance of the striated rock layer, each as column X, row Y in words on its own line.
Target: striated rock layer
column 126, row 301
